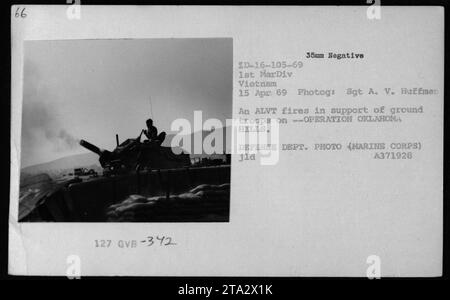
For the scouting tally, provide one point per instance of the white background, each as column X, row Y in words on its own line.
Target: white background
column 312, row 214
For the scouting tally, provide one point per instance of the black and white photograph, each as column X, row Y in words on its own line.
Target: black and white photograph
column 99, row 130
column 259, row 143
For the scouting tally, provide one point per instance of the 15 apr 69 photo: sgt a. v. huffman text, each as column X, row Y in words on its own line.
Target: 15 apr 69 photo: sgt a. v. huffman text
column 96, row 139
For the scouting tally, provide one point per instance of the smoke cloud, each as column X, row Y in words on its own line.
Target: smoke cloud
column 41, row 126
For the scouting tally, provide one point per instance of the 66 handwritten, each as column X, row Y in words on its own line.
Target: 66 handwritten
column 149, row 241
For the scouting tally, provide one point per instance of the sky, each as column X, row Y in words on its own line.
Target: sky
column 93, row 89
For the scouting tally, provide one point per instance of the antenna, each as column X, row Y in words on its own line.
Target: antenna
column 151, row 107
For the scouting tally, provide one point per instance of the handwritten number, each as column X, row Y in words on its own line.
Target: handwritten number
column 20, row 13
column 169, row 242
column 163, row 241
column 150, row 241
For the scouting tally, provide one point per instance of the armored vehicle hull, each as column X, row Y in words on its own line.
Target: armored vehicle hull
column 88, row 201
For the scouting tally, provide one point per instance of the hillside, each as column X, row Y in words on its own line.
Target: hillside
column 87, row 160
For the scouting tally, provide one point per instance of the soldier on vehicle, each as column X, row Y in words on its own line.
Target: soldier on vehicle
column 152, row 133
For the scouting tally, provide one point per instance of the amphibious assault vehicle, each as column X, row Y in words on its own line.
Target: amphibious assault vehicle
column 134, row 155
column 133, row 167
